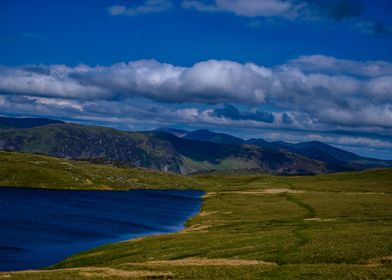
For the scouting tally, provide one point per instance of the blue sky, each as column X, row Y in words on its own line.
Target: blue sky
column 290, row 70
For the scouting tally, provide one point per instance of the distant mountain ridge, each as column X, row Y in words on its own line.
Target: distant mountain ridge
column 173, row 131
column 25, row 122
column 155, row 150
column 192, row 152
column 338, row 159
column 207, row 136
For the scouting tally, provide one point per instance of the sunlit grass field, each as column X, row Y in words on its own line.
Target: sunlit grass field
column 335, row 226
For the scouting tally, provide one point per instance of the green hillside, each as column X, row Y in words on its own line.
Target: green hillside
column 29, row 170
column 154, row 150
column 251, row 226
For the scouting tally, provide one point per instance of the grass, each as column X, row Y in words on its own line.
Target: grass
column 22, row 169
column 251, row 226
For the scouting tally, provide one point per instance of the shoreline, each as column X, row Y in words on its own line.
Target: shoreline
column 168, row 228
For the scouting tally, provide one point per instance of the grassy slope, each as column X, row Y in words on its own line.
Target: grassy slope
column 154, row 150
column 337, row 227
column 17, row 169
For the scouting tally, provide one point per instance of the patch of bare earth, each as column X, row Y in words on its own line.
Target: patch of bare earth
column 207, row 213
column 205, row 262
column 319, row 220
column 200, row 228
column 110, row 272
column 105, row 187
column 209, row 194
column 267, row 191
column 387, row 260
column 365, row 193
column 105, row 272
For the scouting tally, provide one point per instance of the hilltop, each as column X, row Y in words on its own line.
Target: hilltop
column 178, row 151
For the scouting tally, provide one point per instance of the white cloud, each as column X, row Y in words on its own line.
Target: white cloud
column 117, row 10
column 54, row 81
column 247, row 8
column 289, row 9
column 350, row 130
column 327, row 64
column 375, row 115
column 380, row 88
column 314, row 90
column 148, row 7
column 59, row 103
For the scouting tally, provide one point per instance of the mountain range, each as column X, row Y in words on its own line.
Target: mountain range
column 338, row 159
column 176, row 150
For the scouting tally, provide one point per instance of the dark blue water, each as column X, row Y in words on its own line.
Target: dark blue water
column 41, row 227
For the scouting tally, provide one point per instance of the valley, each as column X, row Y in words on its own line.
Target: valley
column 334, row 226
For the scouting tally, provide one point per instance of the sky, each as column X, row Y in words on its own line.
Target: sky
column 281, row 70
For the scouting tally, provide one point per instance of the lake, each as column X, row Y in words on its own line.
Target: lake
column 40, row 227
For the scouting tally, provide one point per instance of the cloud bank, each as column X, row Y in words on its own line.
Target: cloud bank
column 341, row 92
column 289, row 9
column 318, row 94
column 148, row 7
column 306, row 9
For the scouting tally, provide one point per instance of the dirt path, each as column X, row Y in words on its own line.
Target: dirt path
column 204, row 262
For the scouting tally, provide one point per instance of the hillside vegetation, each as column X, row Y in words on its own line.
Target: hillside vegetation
column 154, row 150
column 251, row 226
column 177, row 151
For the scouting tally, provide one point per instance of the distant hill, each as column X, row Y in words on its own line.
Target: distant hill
column 25, row 122
column 194, row 152
column 315, row 149
column 338, row 159
column 173, row 131
column 208, row 136
column 154, row 150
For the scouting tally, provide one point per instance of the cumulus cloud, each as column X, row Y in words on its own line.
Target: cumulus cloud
column 248, row 8
column 308, row 91
column 53, row 80
column 379, row 116
column 148, row 7
column 331, row 65
column 140, row 114
column 205, row 82
column 305, row 9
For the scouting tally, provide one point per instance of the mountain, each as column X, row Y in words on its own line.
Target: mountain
column 321, row 151
column 194, row 152
column 208, row 136
column 173, row 131
column 25, row 122
column 314, row 149
column 155, row 150
column 338, row 159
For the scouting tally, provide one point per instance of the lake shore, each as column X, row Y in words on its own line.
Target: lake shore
column 63, row 223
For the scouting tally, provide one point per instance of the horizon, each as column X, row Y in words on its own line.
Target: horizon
column 213, row 131
column 292, row 71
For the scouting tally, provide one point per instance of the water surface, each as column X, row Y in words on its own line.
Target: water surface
column 41, row 227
